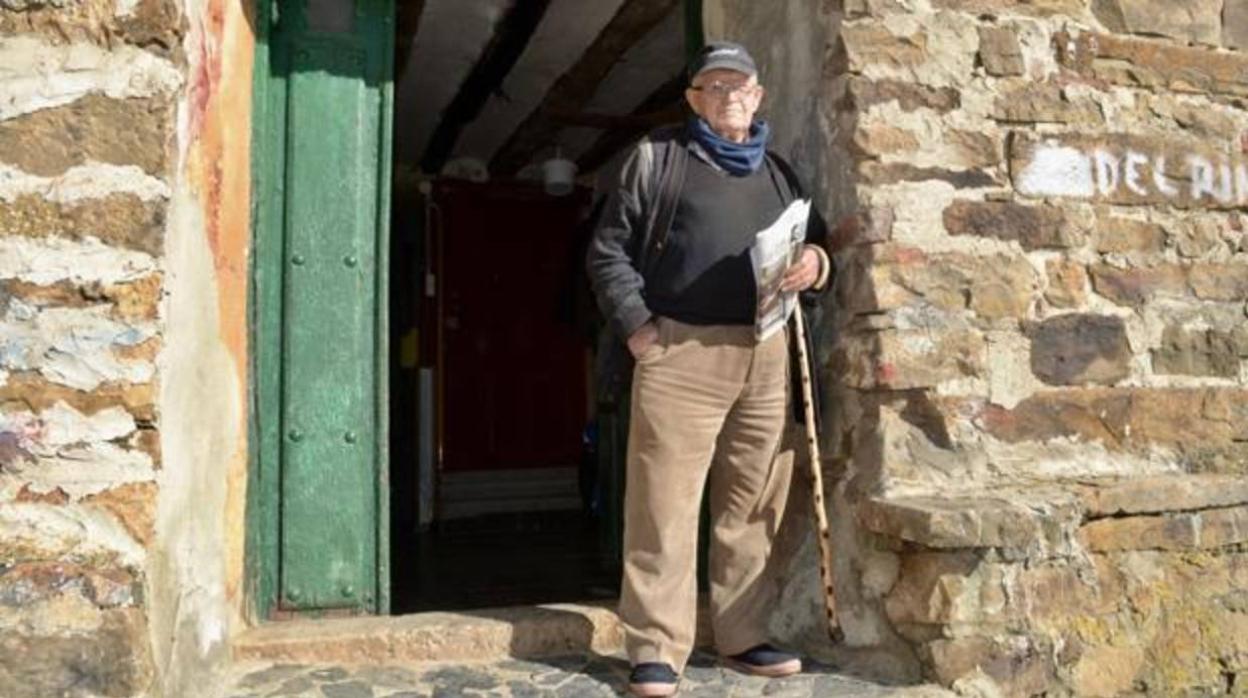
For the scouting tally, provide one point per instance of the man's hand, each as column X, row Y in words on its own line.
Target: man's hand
column 802, row 275
column 643, row 338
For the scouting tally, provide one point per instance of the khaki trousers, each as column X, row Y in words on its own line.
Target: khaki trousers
column 705, row 399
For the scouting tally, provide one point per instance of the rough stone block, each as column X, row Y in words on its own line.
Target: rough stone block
column 124, row 220
column 1021, row 666
column 1053, row 593
column 1134, row 287
column 134, row 506
column 1068, row 284
column 982, row 521
column 877, row 174
column 1045, row 102
column 93, row 128
column 973, row 149
column 937, row 588
column 29, row 583
column 156, row 25
column 1191, row 21
column 1076, row 349
column 1106, row 672
column 1034, row 227
column 1201, row 118
column 871, row 44
column 895, row 276
column 908, row 359
column 1154, row 65
column 1123, row 419
column 1127, row 169
column 1219, row 281
column 1213, row 528
column 1038, row 8
column 999, row 51
column 1199, row 239
column 1200, row 352
column 909, row 97
column 1117, row 235
column 110, row 659
column 36, row 393
column 1235, row 34
column 881, row 139
column 1163, row 493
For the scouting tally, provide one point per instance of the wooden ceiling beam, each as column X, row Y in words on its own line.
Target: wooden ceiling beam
column 511, row 36
column 574, row 89
column 665, row 105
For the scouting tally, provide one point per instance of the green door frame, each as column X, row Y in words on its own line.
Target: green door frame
column 263, row 519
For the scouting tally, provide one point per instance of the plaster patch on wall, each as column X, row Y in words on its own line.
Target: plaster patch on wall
column 68, row 533
column 49, row 260
column 93, row 180
column 37, row 75
column 64, row 426
column 1010, row 380
column 78, row 471
column 73, row 346
column 1058, row 171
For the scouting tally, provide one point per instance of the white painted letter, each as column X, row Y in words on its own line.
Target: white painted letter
column 1241, row 183
column 1225, row 191
column 1131, row 172
column 1202, row 176
column 1160, row 179
column 1106, row 172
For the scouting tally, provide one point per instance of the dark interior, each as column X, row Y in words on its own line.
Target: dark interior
column 497, row 493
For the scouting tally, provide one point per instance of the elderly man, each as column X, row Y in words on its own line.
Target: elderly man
column 674, row 277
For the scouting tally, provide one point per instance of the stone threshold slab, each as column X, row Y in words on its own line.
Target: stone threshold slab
column 478, row 635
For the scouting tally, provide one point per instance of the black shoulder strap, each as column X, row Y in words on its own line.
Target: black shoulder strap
column 671, row 181
column 790, row 177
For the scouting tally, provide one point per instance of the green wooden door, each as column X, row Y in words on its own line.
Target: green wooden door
column 323, row 175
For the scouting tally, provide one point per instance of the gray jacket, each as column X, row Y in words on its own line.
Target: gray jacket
column 622, row 255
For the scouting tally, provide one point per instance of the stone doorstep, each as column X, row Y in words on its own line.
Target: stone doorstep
column 481, row 635
column 1022, row 515
column 468, row 636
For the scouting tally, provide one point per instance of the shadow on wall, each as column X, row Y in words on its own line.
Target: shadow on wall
column 848, row 343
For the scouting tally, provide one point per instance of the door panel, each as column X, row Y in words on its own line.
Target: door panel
column 330, row 102
column 514, row 370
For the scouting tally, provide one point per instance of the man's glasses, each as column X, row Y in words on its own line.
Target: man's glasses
column 723, row 90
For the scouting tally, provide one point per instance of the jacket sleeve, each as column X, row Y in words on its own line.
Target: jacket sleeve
column 615, row 250
column 817, row 237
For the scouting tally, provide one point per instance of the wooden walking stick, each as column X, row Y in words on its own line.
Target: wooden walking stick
column 816, row 470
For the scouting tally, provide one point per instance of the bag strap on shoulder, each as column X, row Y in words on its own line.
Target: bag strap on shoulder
column 671, row 179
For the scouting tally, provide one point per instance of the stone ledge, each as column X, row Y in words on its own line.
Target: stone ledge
column 1215, row 528
column 1162, row 493
column 977, row 521
column 490, row 634
column 1205, row 511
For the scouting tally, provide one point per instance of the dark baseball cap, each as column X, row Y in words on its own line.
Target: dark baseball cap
column 722, row 55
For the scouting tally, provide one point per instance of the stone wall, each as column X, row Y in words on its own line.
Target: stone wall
column 112, row 524
column 1040, row 413
column 86, row 135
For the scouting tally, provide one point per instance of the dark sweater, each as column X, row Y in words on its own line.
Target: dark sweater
column 704, row 276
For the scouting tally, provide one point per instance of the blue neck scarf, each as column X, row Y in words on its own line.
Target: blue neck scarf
column 739, row 159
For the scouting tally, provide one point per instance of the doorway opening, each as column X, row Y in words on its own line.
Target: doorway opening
column 509, row 120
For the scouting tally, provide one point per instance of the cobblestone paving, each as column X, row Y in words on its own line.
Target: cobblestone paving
column 564, row 677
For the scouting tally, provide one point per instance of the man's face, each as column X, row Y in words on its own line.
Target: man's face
column 726, row 99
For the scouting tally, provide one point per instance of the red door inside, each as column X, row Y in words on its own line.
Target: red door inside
column 513, row 367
